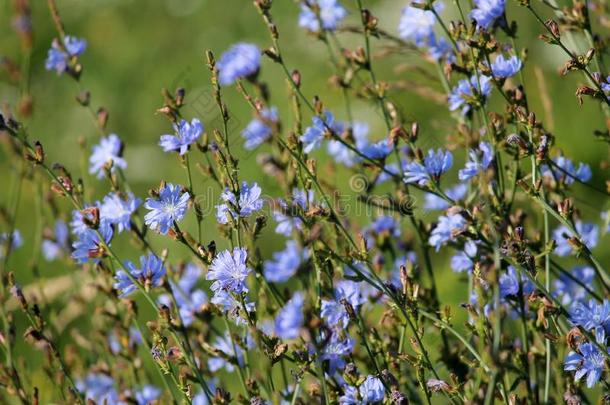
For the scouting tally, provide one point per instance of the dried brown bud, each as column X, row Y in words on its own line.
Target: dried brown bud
column 553, row 27
column 83, row 98
column 102, row 117
column 296, row 78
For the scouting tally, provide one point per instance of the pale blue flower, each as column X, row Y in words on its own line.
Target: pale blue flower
column 440, row 49
column 16, row 240
column 89, row 245
column 249, row 202
column 566, row 171
column 591, row 315
column 54, row 248
column 588, row 361
column 241, row 60
column 169, row 207
column 350, row 396
column 343, row 154
column 569, row 291
column 503, row 68
column 335, row 352
column 285, row 263
column 59, row 55
column 150, row 274
column 588, row 232
column 372, row 390
column 331, row 12
column 435, row 164
column 416, row 25
column 232, row 307
column 287, row 217
column 462, row 95
column 314, row 135
column 189, row 299
column 224, row 344
column 77, row 224
column 487, row 11
column 511, row 284
column 110, row 149
column 446, row 230
column 478, row 162
column 290, row 319
column 186, row 134
column 147, row 394
column 465, row 259
column 229, row 271
column 98, row 387
column 334, row 312
column 260, row 128
column 385, row 224
column 117, row 209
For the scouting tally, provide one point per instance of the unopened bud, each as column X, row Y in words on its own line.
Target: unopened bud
column 296, row 78
column 102, row 117
column 179, row 97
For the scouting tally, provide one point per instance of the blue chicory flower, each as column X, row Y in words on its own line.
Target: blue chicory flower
column 232, row 307
column 225, row 344
column 147, row 394
column 331, row 12
column 314, row 135
column 350, row 396
column 333, row 311
column 511, row 284
column 591, row 315
column 587, row 361
column 435, row 164
column 59, row 55
column 568, row 291
column 188, row 298
column 54, row 248
column 416, row 25
column 486, row 12
column 446, row 230
column 477, row 164
column 110, row 149
column 372, row 390
column 504, row 68
column 350, row 156
column 587, row 231
column 335, row 352
column 89, row 246
column 249, row 202
column 117, row 209
column 16, row 241
column 465, row 259
column 229, row 271
column 241, row 60
column 260, row 128
column 98, row 387
column 169, row 207
column 566, row 171
column 290, row 318
column 287, row 217
column 285, row 263
column 186, row 134
column 462, row 95
column 150, row 274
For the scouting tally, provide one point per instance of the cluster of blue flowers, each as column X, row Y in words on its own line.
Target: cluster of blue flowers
column 344, row 302
column 63, row 53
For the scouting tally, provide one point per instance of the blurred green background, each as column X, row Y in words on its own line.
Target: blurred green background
column 137, row 47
